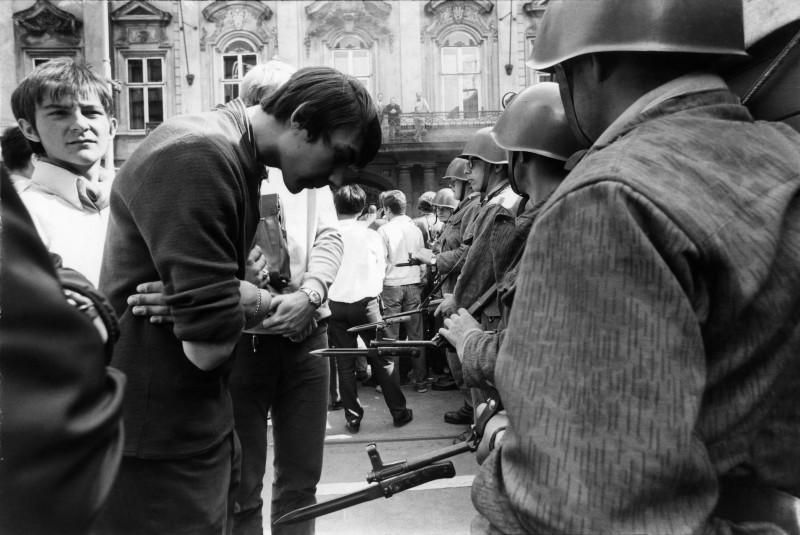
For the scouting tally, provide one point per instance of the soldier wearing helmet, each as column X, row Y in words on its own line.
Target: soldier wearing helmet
column 447, row 257
column 534, row 132
column 487, row 172
column 445, row 203
column 649, row 369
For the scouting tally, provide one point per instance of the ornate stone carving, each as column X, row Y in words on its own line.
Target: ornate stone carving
column 43, row 20
column 534, row 7
column 471, row 13
column 139, row 22
column 330, row 19
column 238, row 16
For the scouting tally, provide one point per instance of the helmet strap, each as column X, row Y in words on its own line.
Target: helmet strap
column 569, row 108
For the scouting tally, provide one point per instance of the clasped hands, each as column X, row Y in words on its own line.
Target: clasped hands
column 289, row 315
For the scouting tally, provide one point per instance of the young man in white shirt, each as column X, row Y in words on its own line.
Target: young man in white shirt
column 401, row 286
column 354, row 301
column 64, row 109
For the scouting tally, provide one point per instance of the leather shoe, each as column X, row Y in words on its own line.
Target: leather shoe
column 353, row 426
column 403, row 420
column 460, row 417
column 444, row 384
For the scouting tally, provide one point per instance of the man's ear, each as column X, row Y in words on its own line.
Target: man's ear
column 294, row 120
column 112, row 126
column 28, row 130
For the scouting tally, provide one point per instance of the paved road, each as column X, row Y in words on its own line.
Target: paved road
column 442, row 507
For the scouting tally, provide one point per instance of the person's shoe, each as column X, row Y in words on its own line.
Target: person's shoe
column 361, row 376
column 462, row 437
column 370, row 382
column 403, row 420
column 336, row 406
column 462, row 416
column 353, row 426
column 421, row 387
column 444, row 383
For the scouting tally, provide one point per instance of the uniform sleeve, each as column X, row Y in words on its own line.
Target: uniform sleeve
column 602, row 374
column 325, row 255
column 196, row 254
column 61, row 406
column 480, row 350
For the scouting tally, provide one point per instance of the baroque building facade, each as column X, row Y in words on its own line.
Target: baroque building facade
column 169, row 57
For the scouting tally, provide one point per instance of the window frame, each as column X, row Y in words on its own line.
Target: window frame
column 460, row 75
column 236, row 83
column 146, row 85
column 370, row 77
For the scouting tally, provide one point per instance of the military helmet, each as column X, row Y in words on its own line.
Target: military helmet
column 457, row 169
column 572, row 28
column 481, row 145
column 445, row 198
column 534, row 121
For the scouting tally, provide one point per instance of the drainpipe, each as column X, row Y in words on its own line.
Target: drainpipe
column 109, row 157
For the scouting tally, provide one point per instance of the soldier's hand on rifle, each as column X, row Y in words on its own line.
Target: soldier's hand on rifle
column 447, row 307
column 424, row 255
column 457, row 327
column 151, row 302
column 255, row 271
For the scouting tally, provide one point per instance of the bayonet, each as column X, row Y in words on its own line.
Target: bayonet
column 383, row 351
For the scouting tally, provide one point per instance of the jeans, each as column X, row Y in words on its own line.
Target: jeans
column 344, row 316
column 401, row 299
column 186, row 496
column 276, row 376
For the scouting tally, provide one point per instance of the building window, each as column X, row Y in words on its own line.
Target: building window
column 351, row 56
column 145, row 83
column 461, row 74
column 535, row 77
column 238, row 58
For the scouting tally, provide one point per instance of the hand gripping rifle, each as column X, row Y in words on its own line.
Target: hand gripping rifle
column 387, row 479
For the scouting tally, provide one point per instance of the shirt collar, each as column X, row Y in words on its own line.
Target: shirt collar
column 685, row 85
column 58, row 181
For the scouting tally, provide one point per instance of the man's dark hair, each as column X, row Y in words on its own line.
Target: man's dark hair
column 324, row 100
column 425, row 202
column 349, row 199
column 59, row 78
column 16, row 150
column 395, row 202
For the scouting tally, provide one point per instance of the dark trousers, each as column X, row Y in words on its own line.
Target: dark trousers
column 276, row 376
column 344, row 316
column 402, row 299
column 192, row 495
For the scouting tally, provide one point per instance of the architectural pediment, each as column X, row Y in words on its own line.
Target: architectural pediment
column 237, row 16
column 330, row 19
column 43, row 20
column 139, row 22
column 438, row 6
column 469, row 13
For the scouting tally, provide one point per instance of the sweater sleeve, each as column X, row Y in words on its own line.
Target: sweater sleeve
column 325, row 255
column 195, row 254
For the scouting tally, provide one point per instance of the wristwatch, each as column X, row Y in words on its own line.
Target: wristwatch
column 433, row 260
column 313, row 296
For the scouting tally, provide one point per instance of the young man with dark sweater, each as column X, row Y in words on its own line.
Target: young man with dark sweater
column 184, row 210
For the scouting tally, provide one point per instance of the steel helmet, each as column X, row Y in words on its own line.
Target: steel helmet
column 445, row 198
column 481, row 145
column 457, row 169
column 572, row 28
column 535, row 122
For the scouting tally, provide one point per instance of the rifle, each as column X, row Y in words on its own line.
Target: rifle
column 400, row 317
column 383, row 348
column 411, row 262
column 391, row 478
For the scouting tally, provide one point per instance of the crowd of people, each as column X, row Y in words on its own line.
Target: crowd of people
column 616, row 260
